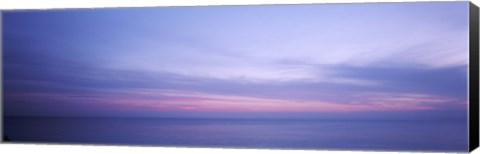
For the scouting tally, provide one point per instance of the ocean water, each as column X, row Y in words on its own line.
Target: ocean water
column 380, row 135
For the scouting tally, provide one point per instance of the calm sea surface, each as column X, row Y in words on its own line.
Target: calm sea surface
column 409, row 135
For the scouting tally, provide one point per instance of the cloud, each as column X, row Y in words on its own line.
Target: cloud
column 450, row 81
column 365, row 58
column 152, row 91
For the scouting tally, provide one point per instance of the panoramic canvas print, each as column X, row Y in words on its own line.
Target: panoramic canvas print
column 368, row 76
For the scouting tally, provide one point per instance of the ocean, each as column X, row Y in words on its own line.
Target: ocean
column 374, row 135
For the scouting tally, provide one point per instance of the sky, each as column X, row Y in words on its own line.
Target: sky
column 328, row 60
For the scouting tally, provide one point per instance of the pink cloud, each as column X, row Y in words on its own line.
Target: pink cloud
column 170, row 100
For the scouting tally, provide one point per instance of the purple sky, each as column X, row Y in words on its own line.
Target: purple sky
column 333, row 59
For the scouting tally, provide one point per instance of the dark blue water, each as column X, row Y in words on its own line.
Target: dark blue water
column 408, row 135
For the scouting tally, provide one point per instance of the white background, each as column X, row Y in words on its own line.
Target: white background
column 82, row 149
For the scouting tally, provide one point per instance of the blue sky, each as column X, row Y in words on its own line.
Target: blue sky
column 284, row 59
